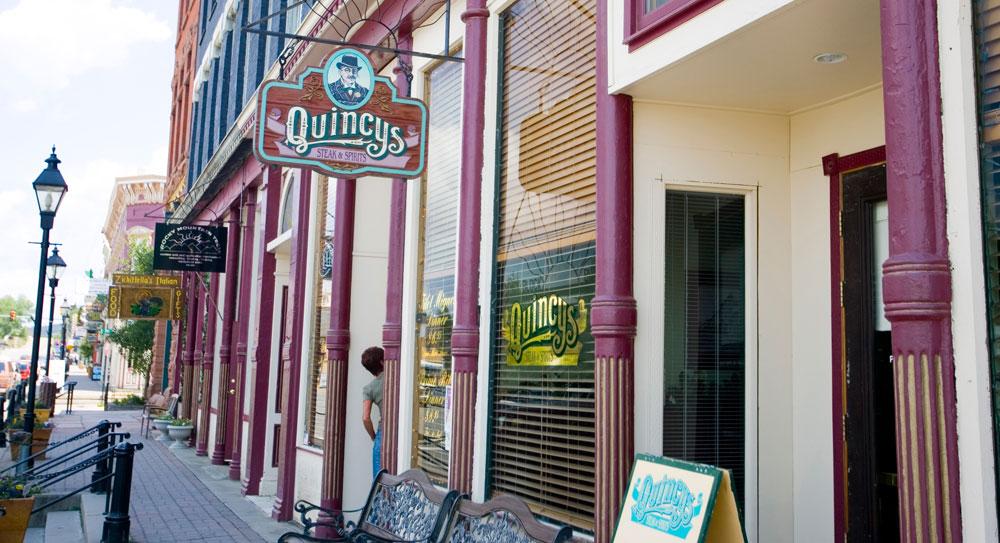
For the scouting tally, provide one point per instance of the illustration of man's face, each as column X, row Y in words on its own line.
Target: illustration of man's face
column 348, row 76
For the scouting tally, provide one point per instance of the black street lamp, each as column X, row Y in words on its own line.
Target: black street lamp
column 64, row 315
column 56, row 266
column 49, row 190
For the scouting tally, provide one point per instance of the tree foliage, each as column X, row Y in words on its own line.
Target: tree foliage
column 135, row 339
column 140, row 257
column 13, row 328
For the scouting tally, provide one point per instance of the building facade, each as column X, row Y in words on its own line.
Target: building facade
column 748, row 234
column 135, row 206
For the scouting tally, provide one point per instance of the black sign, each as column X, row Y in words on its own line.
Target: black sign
column 187, row 247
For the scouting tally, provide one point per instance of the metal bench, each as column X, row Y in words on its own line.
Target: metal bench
column 400, row 508
column 504, row 519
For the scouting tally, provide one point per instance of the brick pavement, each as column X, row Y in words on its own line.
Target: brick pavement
column 169, row 502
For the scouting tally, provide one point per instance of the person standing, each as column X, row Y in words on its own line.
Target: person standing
column 372, row 360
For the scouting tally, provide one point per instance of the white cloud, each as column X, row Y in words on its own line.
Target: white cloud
column 24, row 105
column 66, row 38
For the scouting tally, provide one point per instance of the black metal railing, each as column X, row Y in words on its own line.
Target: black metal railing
column 100, row 429
column 67, row 392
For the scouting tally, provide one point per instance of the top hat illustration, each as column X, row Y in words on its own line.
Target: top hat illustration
column 349, row 61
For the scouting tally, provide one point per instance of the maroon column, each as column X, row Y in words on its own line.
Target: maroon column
column 283, row 502
column 260, row 366
column 207, row 362
column 392, row 331
column 338, row 339
column 917, row 276
column 246, row 269
column 465, row 332
column 613, row 312
column 196, row 309
column 226, row 390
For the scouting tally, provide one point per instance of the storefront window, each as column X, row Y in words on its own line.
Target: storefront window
column 704, row 373
column 646, row 19
column 436, row 284
column 986, row 15
column 316, row 408
column 541, row 440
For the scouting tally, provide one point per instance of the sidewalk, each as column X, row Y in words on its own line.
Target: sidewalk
column 175, row 497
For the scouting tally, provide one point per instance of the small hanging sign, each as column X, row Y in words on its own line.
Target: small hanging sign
column 674, row 501
column 341, row 120
column 189, row 247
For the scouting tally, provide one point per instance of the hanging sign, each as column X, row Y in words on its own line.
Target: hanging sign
column 545, row 332
column 673, row 501
column 342, row 120
column 188, row 247
column 139, row 303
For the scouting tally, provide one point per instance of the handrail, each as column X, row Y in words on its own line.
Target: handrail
column 67, row 391
column 101, row 427
column 37, row 471
column 77, row 491
column 53, row 478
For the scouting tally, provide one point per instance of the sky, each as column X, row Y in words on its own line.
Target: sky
column 91, row 77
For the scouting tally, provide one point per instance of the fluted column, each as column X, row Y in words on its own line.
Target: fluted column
column 226, row 389
column 260, row 365
column 284, row 500
column 195, row 309
column 917, row 276
column 207, row 361
column 613, row 311
column 243, row 319
column 392, row 330
column 338, row 340
column 465, row 332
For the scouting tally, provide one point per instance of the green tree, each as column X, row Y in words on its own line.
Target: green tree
column 86, row 351
column 140, row 257
column 9, row 328
column 135, row 339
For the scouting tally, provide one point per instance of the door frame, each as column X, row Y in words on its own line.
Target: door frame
column 834, row 166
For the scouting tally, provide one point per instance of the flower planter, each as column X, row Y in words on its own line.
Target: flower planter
column 14, row 523
column 180, row 435
column 161, row 426
column 41, row 441
column 41, row 414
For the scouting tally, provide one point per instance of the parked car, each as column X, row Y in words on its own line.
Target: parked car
column 24, row 368
column 9, row 374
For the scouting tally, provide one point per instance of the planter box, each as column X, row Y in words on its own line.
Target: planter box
column 41, row 414
column 180, row 435
column 15, row 522
column 42, row 436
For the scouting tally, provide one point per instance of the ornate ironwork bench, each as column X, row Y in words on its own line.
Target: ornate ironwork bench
column 408, row 508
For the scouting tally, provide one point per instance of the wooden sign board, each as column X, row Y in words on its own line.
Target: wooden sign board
column 342, row 120
column 139, row 297
column 673, row 501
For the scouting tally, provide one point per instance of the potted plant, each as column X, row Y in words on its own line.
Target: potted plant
column 180, row 431
column 42, row 412
column 17, row 436
column 160, row 424
column 17, row 500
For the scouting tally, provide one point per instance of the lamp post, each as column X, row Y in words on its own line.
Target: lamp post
column 56, row 265
column 49, row 190
column 64, row 314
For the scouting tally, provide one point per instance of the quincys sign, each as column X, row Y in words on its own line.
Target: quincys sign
column 342, row 119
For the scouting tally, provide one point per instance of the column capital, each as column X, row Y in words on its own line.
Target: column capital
column 474, row 13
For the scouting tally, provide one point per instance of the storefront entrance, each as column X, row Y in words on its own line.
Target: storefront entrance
column 872, row 495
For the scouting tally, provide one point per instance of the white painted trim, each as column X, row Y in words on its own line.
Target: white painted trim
column 276, row 243
column 407, row 348
column 481, row 436
column 648, row 272
column 309, row 310
column 977, row 475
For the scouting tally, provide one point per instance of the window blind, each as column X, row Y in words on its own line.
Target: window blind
column 541, row 441
column 986, row 17
column 436, row 281
column 704, row 369
column 316, row 407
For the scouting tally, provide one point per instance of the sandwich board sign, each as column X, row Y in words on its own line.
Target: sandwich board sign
column 672, row 501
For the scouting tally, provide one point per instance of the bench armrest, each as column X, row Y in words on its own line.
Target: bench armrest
column 334, row 520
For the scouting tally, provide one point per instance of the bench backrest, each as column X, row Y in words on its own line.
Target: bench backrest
column 172, row 405
column 504, row 518
column 157, row 400
column 407, row 507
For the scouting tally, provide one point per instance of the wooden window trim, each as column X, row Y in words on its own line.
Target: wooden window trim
column 642, row 27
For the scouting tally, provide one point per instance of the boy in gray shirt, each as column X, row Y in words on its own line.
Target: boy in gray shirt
column 372, row 360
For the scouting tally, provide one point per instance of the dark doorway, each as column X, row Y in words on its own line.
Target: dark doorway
column 872, row 494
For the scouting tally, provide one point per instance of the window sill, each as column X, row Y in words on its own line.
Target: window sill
column 639, row 32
